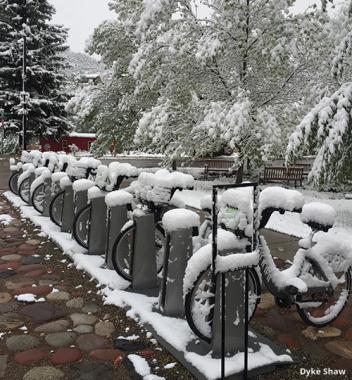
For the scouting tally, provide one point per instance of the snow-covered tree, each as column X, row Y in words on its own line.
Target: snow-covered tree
column 327, row 130
column 223, row 80
column 116, row 107
column 45, row 97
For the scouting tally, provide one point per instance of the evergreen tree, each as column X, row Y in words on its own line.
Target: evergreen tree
column 45, row 96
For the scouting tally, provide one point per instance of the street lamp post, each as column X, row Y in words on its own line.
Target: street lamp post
column 24, row 80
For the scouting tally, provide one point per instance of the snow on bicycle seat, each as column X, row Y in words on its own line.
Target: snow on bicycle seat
column 160, row 187
column 79, row 169
column 50, row 160
column 318, row 216
column 280, row 198
column 117, row 171
column 163, row 178
column 35, row 157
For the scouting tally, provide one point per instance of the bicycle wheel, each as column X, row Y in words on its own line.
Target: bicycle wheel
column 124, row 246
column 81, row 226
column 55, row 208
column 319, row 309
column 25, row 190
column 13, row 183
column 38, row 198
column 200, row 300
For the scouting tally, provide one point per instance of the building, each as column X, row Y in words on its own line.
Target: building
column 82, row 141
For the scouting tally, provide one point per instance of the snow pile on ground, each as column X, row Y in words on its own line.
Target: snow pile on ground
column 141, row 366
column 6, row 219
column 29, row 297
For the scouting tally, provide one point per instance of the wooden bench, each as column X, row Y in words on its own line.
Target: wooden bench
column 218, row 166
column 283, row 174
column 306, row 168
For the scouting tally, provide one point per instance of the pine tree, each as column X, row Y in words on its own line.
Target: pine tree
column 45, row 96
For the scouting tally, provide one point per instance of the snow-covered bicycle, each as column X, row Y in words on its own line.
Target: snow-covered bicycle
column 318, row 282
column 27, row 158
column 76, row 169
column 107, row 179
column 154, row 194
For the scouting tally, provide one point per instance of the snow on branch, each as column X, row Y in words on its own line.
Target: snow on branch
column 325, row 130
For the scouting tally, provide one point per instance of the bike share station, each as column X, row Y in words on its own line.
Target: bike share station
column 233, row 351
column 228, row 349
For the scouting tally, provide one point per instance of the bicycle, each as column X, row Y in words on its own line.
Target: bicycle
column 107, row 179
column 38, row 188
column 27, row 161
column 84, row 168
column 311, row 282
column 154, row 193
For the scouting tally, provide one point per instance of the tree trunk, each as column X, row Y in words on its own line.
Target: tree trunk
column 239, row 174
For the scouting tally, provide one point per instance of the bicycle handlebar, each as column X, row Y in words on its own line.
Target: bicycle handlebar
column 267, row 212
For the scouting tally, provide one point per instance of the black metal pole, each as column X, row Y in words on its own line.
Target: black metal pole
column 223, row 321
column 24, row 99
column 245, row 369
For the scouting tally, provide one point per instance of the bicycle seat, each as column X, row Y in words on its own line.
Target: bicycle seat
column 318, row 216
column 118, row 172
column 278, row 199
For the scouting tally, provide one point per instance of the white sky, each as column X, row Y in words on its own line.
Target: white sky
column 82, row 16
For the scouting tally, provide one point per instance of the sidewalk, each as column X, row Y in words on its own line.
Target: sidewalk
column 54, row 324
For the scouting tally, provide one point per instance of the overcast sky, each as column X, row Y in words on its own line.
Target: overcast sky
column 82, row 16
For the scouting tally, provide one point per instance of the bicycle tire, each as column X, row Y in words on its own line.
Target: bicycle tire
column 24, row 190
column 335, row 312
column 252, row 277
column 76, row 222
column 116, row 264
column 55, row 208
column 34, row 200
column 13, row 183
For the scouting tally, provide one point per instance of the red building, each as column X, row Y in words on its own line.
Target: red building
column 82, row 141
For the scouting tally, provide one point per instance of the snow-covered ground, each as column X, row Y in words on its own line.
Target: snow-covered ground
column 174, row 330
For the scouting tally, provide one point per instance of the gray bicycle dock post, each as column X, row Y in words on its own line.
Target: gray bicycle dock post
column 67, row 209
column 117, row 218
column 98, row 227
column 31, row 180
column 178, row 249
column 47, row 196
column 234, row 312
column 144, row 269
column 80, row 200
